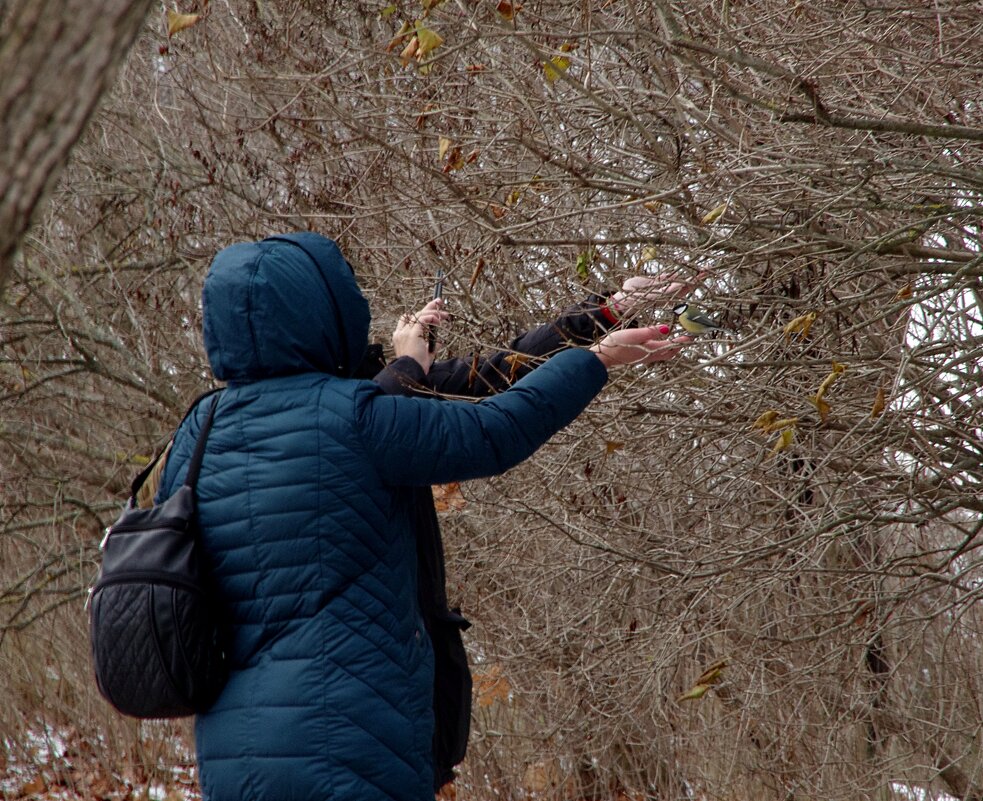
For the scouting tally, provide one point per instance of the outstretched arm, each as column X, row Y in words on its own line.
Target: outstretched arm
column 413, row 442
column 415, row 373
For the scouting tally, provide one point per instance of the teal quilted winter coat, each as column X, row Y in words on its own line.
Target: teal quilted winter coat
column 305, row 514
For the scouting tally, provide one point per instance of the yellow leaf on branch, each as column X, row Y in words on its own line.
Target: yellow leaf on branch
column 786, row 438
column 765, row 419
column 838, row 369
column 694, row 693
column 429, row 41
column 822, row 406
column 404, row 30
column 770, row 421
column 177, row 22
column 714, row 214
column 800, row 325
column 443, row 144
column 555, row 67
column 713, row 673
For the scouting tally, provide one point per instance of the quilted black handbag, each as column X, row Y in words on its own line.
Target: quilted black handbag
column 157, row 631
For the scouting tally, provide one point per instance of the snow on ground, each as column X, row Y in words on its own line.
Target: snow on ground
column 58, row 766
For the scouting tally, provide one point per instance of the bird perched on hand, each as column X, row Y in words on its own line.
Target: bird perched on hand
column 693, row 321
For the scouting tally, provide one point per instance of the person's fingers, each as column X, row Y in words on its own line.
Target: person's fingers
column 434, row 305
column 643, row 288
column 657, row 332
column 432, row 318
column 663, row 350
column 424, row 317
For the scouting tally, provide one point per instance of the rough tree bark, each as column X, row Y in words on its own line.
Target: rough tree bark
column 57, row 59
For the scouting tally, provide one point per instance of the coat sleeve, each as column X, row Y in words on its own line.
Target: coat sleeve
column 415, row 442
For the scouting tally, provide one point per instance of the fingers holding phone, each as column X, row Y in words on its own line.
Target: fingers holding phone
column 413, row 333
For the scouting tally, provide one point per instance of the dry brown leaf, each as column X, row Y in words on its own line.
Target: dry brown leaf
column 448, row 792
column 862, row 612
column 400, row 36
column 36, row 786
column 541, row 777
column 880, row 403
column 508, row 10
column 478, row 267
column 516, row 362
column 492, row 686
column 448, row 497
column 409, row 51
column 455, row 160
column 611, row 447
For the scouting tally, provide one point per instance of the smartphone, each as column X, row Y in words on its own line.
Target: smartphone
column 438, row 292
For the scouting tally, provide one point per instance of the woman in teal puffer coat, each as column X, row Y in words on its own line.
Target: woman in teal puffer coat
column 305, row 511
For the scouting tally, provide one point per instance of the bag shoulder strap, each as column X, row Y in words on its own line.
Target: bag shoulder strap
column 194, row 466
column 140, row 479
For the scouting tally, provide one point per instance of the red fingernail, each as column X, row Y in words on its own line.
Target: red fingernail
column 663, row 329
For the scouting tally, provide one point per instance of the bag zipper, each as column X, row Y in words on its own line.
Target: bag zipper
column 178, row 523
column 135, row 576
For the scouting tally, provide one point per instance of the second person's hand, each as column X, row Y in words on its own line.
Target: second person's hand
column 638, row 346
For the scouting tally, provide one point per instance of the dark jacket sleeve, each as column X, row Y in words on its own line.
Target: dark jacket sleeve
column 477, row 376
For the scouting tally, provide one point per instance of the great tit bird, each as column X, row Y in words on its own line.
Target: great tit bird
column 693, row 321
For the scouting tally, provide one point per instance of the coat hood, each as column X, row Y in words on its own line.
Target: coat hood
column 288, row 304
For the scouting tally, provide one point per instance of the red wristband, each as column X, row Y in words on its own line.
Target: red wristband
column 610, row 314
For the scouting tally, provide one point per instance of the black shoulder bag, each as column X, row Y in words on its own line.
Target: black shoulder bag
column 158, row 633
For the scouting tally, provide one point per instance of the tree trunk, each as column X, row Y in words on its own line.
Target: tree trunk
column 57, row 59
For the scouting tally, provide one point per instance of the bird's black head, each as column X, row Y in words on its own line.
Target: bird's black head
column 680, row 308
